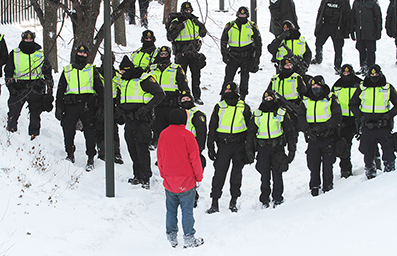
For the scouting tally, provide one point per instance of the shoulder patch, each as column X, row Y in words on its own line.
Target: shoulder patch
column 151, row 79
column 202, row 118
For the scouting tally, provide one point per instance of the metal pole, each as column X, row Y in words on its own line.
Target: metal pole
column 108, row 105
column 221, row 6
column 253, row 11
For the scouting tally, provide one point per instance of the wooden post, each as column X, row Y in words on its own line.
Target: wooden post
column 119, row 27
column 49, row 34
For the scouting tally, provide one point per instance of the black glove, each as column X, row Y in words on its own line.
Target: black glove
column 353, row 37
column 182, row 18
column 59, row 114
column 250, row 157
column 225, row 58
column 284, row 35
column 99, row 115
column 212, row 153
column 142, row 111
column 363, row 120
column 291, row 156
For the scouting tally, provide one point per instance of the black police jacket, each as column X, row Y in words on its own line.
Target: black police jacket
column 366, row 21
column 336, row 12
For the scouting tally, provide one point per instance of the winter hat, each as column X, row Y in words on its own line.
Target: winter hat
column 268, row 93
column 347, row 68
column 285, row 61
column 185, row 94
column 186, row 6
column 319, row 80
column 164, row 49
column 288, row 24
column 243, row 11
column 82, row 48
column 28, row 34
column 374, row 69
column 148, row 34
column 126, row 63
column 230, row 86
column 178, row 116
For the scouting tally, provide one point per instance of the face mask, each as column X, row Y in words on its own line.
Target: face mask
column 80, row 60
column 242, row 20
column 27, row 47
column 148, row 44
column 317, row 91
column 287, row 72
column 187, row 104
column 374, row 79
column 348, row 78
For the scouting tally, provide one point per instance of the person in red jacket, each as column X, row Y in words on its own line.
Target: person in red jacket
column 178, row 159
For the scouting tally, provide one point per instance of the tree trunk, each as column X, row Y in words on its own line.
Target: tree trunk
column 49, row 34
column 169, row 6
column 119, row 27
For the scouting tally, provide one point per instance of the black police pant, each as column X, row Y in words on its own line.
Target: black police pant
column 228, row 152
column 329, row 30
column 321, row 152
column 162, row 119
column 138, row 135
column 100, row 138
column 231, row 69
column 191, row 60
column 366, row 49
column 74, row 112
column 15, row 104
column 143, row 6
column 347, row 133
column 368, row 145
column 265, row 168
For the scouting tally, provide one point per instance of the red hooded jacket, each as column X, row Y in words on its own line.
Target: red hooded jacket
column 178, row 159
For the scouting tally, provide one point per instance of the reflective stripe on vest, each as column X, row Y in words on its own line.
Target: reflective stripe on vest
column 269, row 126
column 79, row 81
column 298, row 47
column 190, row 31
column 1, row 37
column 288, row 87
column 131, row 90
column 240, row 38
column 140, row 59
column 114, row 84
column 167, row 78
column 375, row 99
column 318, row 111
column 344, row 95
column 28, row 66
column 189, row 124
column 231, row 118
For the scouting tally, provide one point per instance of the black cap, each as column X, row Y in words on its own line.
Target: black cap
column 268, row 93
column 319, row 80
column 186, row 6
column 373, row 69
column 285, row 61
column 146, row 34
column 28, row 34
column 231, row 86
column 178, row 116
column 346, row 68
column 82, row 48
column 288, row 24
column 243, row 10
column 185, row 94
column 165, row 49
column 126, row 63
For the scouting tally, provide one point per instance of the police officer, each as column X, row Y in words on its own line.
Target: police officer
column 118, row 118
column 367, row 28
column 3, row 54
column 228, row 128
column 319, row 114
column 332, row 21
column 241, row 47
column 197, row 124
column 185, row 32
column 281, row 10
column 371, row 105
column 269, row 129
column 172, row 79
column 142, row 56
column 28, row 78
column 80, row 91
column 344, row 89
column 391, row 22
column 290, row 85
column 292, row 38
column 143, row 6
column 140, row 93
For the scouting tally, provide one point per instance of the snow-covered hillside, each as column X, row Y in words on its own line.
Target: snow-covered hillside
column 49, row 206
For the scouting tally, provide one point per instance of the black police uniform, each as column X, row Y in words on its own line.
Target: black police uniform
column 72, row 107
column 348, row 126
column 391, row 22
column 3, row 54
column 281, row 10
column 137, row 129
column 332, row 21
column 187, row 52
column 27, row 90
column 231, row 147
column 269, row 150
column 246, row 57
column 376, row 127
column 320, row 137
column 366, row 29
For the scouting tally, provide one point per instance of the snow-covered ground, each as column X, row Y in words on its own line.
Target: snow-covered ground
column 49, row 206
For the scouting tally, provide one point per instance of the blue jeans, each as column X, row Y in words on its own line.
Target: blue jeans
column 186, row 200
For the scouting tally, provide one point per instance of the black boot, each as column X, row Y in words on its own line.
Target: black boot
column 346, row 173
column 314, row 191
column 90, row 164
column 117, row 156
column 390, row 166
column 232, row 204
column 370, row 171
column 214, row 206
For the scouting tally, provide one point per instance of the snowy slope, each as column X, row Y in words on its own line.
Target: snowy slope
column 49, row 206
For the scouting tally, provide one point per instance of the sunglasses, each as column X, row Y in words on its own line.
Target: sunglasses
column 163, row 54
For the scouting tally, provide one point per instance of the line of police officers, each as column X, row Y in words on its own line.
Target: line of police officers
column 325, row 116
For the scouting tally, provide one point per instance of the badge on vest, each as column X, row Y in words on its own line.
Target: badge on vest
column 383, row 90
column 277, row 117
